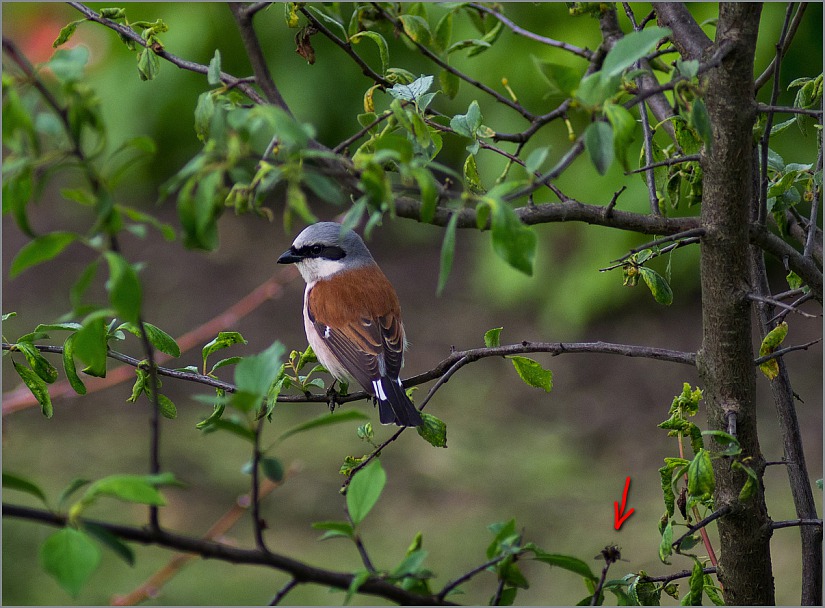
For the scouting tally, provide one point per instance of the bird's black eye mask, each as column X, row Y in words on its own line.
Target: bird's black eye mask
column 326, row 252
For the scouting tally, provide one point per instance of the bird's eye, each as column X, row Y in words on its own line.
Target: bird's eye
column 316, row 249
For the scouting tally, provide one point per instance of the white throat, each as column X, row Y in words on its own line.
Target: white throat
column 317, row 269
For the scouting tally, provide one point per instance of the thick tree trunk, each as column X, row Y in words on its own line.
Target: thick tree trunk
column 726, row 358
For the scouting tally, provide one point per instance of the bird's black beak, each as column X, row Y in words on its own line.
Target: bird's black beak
column 289, row 257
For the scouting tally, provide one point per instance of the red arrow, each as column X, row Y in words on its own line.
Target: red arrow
column 619, row 516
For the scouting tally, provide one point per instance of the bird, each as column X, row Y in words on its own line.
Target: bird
column 352, row 316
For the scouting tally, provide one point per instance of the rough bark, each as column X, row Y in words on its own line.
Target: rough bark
column 726, row 359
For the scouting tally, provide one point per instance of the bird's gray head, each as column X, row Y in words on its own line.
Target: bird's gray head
column 324, row 249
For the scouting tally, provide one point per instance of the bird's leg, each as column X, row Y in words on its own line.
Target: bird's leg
column 332, row 396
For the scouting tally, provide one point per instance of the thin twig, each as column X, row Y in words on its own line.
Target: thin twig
column 769, row 71
column 282, row 592
column 785, row 351
column 693, row 232
column 674, row 575
column 585, row 53
column 724, row 510
column 346, row 46
column 650, row 176
column 258, row 523
column 766, row 135
column 666, row 163
column 771, row 109
column 468, row 575
column 796, row 522
column 809, row 242
column 789, row 307
column 779, row 317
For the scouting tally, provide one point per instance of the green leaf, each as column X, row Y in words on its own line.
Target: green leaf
column 513, row 242
column 467, row 124
column 701, row 479
column 73, row 486
column 535, row 160
column 380, row 42
column 623, row 125
column 272, row 468
column 256, row 373
column 121, row 549
column 334, row 529
column 39, row 250
column 364, row 490
column 700, row 120
column 204, row 111
column 751, row 483
column 213, row 74
column 598, row 139
column 66, row 33
column 90, row 344
column 71, row 557
column 658, row 286
column 82, row 284
column 631, row 48
column 148, row 64
column 696, row 584
column 329, row 20
column 472, row 180
column 123, row 287
column 416, row 28
column 15, row 482
column 566, row 562
column 666, row 545
column 447, row 253
column 156, row 336
column 415, row 91
column 39, row 364
column 129, row 488
column 561, row 79
column 37, row 387
column 433, row 430
column 449, row 83
column 688, row 69
column 533, row 373
column 68, row 64
column 492, row 337
column 222, row 340
column 358, row 579
column 428, row 189
column 770, row 343
column 324, row 420
column 166, row 407
column 593, row 90
column 443, row 32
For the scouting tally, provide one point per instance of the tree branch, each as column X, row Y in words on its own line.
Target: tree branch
column 256, row 56
column 687, row 36
column 301, row 572
column 127, row 32
column 673, row 576
column 724, row 510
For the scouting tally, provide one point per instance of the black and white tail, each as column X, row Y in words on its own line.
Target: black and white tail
column 394, row 407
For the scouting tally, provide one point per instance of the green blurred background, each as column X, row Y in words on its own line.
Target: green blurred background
column 555, row 462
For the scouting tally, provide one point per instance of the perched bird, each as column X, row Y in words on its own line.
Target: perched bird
column 352, row 317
